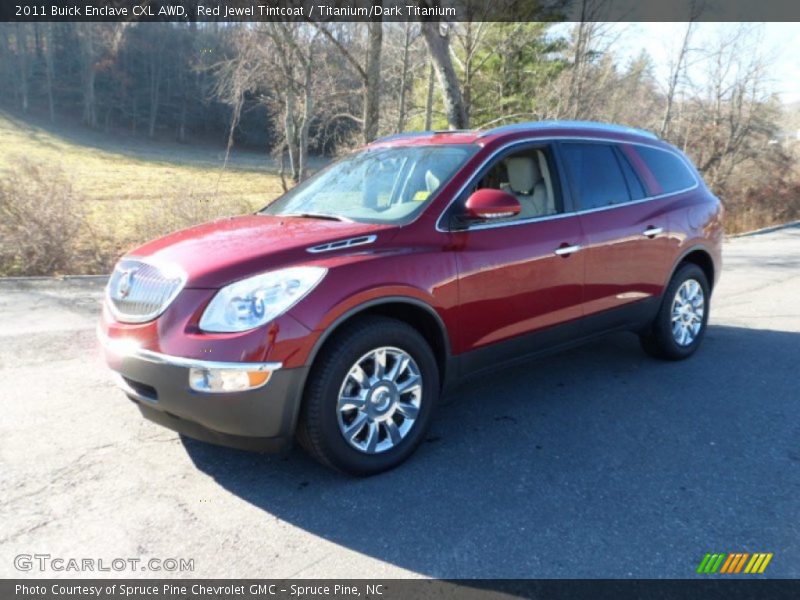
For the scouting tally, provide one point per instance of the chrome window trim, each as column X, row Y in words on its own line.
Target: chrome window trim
column 136, row 319
column 361, row 240
column 177, row 361
column 545, row 140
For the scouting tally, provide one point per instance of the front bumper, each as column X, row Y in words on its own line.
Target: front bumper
column 261, row 419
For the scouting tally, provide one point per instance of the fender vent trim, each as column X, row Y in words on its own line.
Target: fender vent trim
column 362, row 240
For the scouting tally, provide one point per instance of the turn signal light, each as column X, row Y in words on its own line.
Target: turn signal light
column 226, row 380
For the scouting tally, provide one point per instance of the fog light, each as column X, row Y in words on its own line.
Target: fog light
column 122, row 347
column 226, row 380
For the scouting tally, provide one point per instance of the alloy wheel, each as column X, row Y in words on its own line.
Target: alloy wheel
column 379, row 400
column 688, row 310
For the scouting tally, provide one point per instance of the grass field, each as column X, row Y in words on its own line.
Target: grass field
column 109, row 167
column 130, row 189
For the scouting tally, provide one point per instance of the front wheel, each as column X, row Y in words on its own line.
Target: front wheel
column 681, row 322
column 369, row 398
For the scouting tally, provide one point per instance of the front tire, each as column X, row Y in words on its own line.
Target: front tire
column 680, row 325
column 369, row 397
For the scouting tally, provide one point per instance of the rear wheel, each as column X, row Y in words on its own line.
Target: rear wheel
column 681, row 322
column 369, row 398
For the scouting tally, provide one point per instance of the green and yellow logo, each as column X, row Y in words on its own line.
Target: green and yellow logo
column 734, row 563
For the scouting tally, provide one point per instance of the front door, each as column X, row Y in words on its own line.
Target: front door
column 519, row 275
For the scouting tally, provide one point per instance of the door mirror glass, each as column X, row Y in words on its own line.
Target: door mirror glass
column 488, row 204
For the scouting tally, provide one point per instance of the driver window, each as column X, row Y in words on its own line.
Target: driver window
column 526, row 175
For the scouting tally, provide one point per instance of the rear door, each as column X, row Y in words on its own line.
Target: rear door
column 626, row 233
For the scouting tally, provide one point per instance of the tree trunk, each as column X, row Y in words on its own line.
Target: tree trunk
column 439, row 49
column 89, row 101
column 134, row 115
column 576, row 102
column 182, row 123
column 308, row 114
column 673, row 81
column 49, row 69
column 86, row 40
column 372, row 83
column 22, row 48
column 291, row 134
column 155, row 94
column 429, row 100
column 401, row 109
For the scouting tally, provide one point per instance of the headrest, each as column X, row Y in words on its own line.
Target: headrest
column 523, row 174
column 431, row 181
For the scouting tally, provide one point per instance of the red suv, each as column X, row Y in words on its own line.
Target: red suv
column 346, row 307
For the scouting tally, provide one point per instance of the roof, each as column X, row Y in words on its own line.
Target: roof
column 537, row 128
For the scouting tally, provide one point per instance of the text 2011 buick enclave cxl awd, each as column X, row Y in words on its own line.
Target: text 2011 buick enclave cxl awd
column 347, row 306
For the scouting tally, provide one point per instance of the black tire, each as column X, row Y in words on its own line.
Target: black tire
column 659, row 340
column 319, row 431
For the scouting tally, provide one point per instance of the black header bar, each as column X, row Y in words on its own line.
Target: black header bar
column 397, row 10
column 733, row 588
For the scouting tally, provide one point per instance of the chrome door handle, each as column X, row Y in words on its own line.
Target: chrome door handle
column 652, row 231
column 566, row 250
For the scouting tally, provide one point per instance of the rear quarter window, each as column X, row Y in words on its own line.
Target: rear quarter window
column 669, row 170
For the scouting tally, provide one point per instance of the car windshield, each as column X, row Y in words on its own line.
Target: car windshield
column 382, row 185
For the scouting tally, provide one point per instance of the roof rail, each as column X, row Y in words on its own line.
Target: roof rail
column 587, row 125
column 410, row 134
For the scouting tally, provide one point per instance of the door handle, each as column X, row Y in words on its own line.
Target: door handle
column 566, row 250
column 651, row 232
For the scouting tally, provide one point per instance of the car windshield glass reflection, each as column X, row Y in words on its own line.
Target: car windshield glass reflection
column 385, row 185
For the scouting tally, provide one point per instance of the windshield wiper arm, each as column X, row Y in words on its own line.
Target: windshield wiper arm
column 312, row 215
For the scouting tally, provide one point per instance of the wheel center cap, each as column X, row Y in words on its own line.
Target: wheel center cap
column 381, row 398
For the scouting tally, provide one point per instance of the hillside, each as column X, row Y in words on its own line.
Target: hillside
column 113, row 167
column 119, row 191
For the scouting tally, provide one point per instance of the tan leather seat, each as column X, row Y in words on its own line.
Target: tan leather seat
column 527, row 184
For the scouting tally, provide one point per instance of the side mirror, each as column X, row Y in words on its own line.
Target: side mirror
column 488, row 204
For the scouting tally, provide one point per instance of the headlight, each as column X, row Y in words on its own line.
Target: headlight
column 251, row 302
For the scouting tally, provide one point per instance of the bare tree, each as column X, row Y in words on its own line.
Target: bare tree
column 372, row 81
column 677, row 68
column 48, row 41
column 590, row 42
column 88, row 55
column 408, row 39
column 437, row 40
column 728, row 120
column 97, row 44
column 369, row 72
column 429, row 98
column 154, row 68
column 23, row 59
column 296, row 48
column 471, row 36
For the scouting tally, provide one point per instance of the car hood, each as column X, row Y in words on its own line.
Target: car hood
column 217, row 253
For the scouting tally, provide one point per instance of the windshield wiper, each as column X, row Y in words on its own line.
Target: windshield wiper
column 311, row 215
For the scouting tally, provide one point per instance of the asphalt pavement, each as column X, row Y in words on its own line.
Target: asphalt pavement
column 597, row 462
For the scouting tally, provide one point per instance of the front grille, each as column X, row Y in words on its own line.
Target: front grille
column 139, row 291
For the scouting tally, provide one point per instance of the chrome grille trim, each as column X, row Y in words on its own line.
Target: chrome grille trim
column 140, row 290
column 349, row 243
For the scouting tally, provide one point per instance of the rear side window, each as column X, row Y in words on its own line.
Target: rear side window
column 596, row 175
column 634, row 185
column 670, row 171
